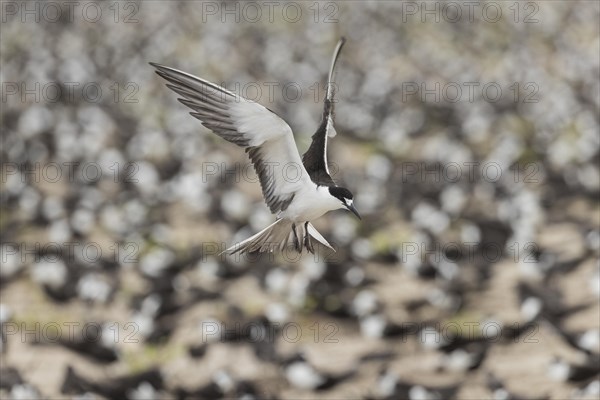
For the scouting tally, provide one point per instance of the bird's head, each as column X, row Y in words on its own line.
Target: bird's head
column 345, row 197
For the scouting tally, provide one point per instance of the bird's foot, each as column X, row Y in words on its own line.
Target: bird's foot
column 307, row 242
column 296, row 239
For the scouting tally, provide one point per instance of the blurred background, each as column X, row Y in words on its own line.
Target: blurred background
column 468, row 132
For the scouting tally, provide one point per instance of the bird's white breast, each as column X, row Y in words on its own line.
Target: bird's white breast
column 310, row 203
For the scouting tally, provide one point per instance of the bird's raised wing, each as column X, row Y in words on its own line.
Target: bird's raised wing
column 315, row 158
column 268, row 139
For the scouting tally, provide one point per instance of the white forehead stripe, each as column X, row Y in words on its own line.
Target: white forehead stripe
column 349, row 201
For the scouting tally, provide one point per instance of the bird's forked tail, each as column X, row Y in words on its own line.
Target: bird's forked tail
column 278, row 236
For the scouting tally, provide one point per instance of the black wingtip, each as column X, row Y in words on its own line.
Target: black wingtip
column 159, row 67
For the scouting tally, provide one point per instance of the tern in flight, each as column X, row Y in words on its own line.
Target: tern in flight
column 270, row 144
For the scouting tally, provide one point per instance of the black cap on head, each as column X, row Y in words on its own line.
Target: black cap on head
column 345, row 197
column 340, row 193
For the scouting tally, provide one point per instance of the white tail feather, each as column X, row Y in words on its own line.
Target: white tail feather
column 312, row 231
column 277, row 236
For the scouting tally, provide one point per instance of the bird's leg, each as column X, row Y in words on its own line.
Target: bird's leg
column 296, row 240
column 307, row 241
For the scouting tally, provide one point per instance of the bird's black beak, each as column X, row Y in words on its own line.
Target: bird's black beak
column 353, row 209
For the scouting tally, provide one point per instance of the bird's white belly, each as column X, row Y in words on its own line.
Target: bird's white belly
column 310, row 204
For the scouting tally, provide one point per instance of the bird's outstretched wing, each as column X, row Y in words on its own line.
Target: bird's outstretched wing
column 268, row 139
column 315, row 158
